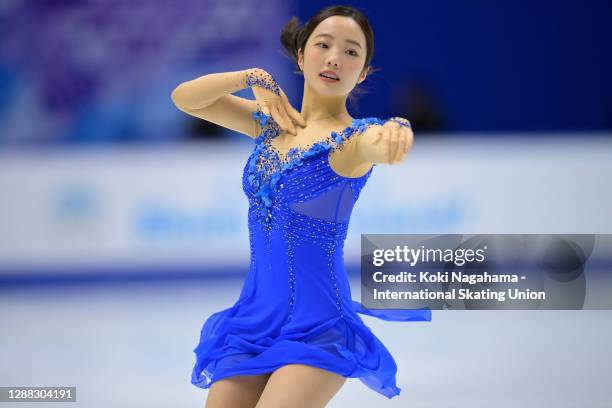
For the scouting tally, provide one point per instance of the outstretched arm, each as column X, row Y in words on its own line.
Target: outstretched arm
column 388, row 143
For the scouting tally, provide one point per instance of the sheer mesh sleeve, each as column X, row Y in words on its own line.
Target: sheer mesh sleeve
column 348, row 145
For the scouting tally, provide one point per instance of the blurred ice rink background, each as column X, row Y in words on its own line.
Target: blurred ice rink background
column 123, row 221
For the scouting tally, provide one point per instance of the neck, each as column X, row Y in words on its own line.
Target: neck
column 317, row 107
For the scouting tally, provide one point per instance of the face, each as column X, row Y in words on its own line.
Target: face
column 337, row 44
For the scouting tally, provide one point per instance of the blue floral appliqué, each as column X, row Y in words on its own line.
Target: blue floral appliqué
column 266, row 166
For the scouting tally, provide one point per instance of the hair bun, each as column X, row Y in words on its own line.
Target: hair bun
column 289, row 38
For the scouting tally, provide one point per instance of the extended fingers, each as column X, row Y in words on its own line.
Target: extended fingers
column 279, row 118
column 409, row 135
column 293, row 113
column 404, row 144
column 393, row 144
column 399, row 140
column 288, row 120
column 265, row 109
column 401, row 146
column 379, row 136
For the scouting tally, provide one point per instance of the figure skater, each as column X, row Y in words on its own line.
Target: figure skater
column 293, row 337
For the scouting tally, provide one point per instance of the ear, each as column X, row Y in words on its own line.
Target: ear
column 301, row 59
column 363, row 75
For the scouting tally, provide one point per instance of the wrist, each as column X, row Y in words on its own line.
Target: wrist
column 261, row 78
column 245, row 75
column 401, row 121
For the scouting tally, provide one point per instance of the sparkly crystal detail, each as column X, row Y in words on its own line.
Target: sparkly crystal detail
column 291, row 273
column 401, row 121
column 263, row 79
column 330, row 251
column 267, row 164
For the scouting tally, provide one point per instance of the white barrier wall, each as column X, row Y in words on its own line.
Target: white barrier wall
column 76, row 209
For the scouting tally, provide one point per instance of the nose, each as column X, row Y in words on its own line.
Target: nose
column 332, row 63
column 332, row 59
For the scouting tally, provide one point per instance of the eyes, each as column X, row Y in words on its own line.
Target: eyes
column 351, row 51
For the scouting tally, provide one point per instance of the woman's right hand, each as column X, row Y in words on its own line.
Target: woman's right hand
column 273, row 100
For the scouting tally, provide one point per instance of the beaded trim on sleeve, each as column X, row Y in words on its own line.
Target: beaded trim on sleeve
column 401, row 121
column 263, row 79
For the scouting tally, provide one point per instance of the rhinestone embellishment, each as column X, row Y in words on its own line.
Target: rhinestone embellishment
column 267, row 165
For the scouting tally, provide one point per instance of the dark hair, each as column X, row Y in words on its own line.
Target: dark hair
column 294, row 37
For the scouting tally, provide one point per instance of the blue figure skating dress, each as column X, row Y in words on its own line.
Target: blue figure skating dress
column 295, row 306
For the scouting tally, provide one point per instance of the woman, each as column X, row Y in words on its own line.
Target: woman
column 294, row 336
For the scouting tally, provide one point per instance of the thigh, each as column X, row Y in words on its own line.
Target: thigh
column 300, row 386
column 240, row 391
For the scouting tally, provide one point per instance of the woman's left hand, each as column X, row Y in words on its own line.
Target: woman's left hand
column 397, row 138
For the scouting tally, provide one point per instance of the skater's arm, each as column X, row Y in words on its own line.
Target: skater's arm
column 385, row 144
column 209, row 97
